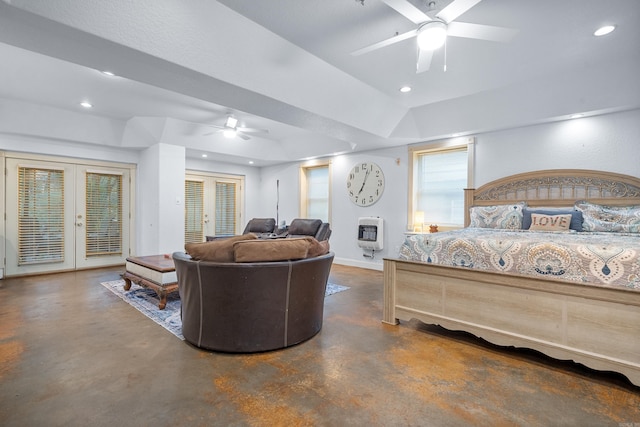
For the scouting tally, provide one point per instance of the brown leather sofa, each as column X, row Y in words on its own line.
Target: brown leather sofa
column 251, row 307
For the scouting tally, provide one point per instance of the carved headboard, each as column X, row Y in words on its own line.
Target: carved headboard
column 556, row 187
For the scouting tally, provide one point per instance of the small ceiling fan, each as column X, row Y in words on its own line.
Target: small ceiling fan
column 431, row 33
column 230, row 129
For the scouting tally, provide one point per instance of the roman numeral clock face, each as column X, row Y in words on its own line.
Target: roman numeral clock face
column 365, row 184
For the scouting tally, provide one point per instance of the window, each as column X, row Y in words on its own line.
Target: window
column 226, row 207
column 213, row 205
column 315, row 200
column 440, row 174
column 103, row 213
column 193, row 211
column 40, row 215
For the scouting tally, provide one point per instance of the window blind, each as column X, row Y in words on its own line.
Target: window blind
column 226, row 209
column 40, row 215
column 193, row 211
column 318, row 192
column 440, row 182
column 103, row 214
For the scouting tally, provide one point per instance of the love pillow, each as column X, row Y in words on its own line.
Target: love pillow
column 540, row 222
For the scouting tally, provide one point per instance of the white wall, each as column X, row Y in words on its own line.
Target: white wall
column 160, row 200
column 344, row 215
column 609, row 142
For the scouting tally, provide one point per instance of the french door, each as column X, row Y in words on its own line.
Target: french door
column 213, row 206
column 65, row 216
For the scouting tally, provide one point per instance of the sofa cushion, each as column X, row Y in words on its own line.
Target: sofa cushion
column 316, row 247
column 220, row 250
column 271, row 250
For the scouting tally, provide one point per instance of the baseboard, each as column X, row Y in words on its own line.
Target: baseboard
column 376, row 265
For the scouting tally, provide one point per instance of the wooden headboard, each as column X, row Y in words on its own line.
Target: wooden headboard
column 556, row 187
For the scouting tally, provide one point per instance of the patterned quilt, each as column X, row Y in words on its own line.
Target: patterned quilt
column 592, row 258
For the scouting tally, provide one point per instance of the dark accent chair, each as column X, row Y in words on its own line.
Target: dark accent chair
column 251, row 307
column 259, row 226
column 301, row 227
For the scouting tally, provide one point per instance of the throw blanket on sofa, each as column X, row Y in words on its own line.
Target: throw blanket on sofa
column 593, row 258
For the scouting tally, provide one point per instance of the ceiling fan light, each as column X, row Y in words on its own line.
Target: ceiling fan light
column 229, row 133
column 231, row 122
column 432, row 35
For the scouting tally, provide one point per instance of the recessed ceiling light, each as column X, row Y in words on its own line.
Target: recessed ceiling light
column 604, row 30
column 576, row 116
column 204, row 155
column 86, row 104
column 108, row 73
column 405, row 89
column 250, row 162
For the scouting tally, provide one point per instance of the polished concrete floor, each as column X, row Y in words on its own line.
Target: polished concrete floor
column 73, row 354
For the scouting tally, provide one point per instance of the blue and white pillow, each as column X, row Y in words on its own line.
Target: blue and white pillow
column 507, row 217
column 616, row 219
column 576, row 216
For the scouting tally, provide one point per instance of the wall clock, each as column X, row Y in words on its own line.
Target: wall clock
column 365, row 184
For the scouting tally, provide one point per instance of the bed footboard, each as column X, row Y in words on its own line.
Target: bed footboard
column 595, row 326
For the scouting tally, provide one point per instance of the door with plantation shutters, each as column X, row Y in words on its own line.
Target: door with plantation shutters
column 213, row 206
column 102, row 216
column 65, row 216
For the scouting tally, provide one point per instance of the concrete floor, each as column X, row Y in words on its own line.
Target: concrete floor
column 73, row 354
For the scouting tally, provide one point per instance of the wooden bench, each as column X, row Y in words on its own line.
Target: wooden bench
column 155, row 272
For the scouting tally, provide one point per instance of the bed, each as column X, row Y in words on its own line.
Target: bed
column 565, row 313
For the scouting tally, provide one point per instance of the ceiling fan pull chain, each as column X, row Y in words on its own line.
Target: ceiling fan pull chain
column 445, row 55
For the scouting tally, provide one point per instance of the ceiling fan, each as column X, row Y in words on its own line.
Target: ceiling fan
column 431, row 33
column 230, row 129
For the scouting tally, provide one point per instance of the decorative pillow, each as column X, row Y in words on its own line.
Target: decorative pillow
column 219, row 250
column 543, row 222
column 617, row 219
column 270, row 250
column 500, row 216
column 576, row 216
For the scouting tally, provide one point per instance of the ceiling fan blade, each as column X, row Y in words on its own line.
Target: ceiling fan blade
column 424, row 60
column 385, row 43
column 243, row 136
column 252, row 130
column 455, row 9
column 408, row 10
column 482, row 32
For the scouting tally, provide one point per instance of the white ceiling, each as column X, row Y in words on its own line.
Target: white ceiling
column 286, row 66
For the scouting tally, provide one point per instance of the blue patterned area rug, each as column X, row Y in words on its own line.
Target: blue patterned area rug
column 146, row 301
